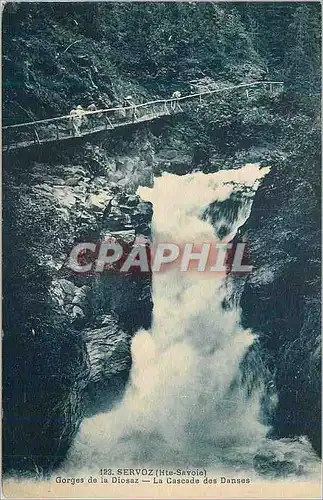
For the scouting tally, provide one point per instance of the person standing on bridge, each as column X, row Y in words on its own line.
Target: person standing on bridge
column 128, row 102
column 73, row 126
column 76, row 115
column 92, row 118
column 175, row 102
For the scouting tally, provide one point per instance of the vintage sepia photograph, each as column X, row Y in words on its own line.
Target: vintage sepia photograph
column 161, row 169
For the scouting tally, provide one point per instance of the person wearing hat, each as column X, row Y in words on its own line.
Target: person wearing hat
column 127, row 101
column 91, row 107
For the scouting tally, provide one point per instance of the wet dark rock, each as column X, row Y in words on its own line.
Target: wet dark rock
column 140, row 217
column 280, row 299
column 66, row 362
column 117, row 219
column 48, row 377
column 133, row 200
column 269, row 465
column 108, row 348
column 174, row 161
column 123, row 237
column 72, row 181
column 72, row 300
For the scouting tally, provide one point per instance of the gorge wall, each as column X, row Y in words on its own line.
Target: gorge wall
column 67, row 342
column 280, row 300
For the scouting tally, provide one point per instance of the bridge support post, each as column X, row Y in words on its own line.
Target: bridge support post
column 37, row 141
column 108, row 122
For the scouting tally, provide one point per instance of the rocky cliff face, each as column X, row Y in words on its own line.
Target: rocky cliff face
column 280, row 300
column 68, row 335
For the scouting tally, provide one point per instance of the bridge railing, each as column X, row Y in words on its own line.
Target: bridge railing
column 51, row 129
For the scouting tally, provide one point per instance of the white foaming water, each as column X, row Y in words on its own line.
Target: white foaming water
column 183, row 406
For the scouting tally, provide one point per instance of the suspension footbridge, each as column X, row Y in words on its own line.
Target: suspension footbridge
column 24, row 135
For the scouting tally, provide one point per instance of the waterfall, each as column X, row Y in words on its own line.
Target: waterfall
column 185, row 405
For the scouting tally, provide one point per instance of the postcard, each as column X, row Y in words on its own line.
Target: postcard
column 161, row 249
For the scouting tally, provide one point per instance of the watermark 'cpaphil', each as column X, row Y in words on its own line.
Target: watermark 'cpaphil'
column 146, row 257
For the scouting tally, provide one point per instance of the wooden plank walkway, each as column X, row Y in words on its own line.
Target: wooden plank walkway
column 61, row 128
